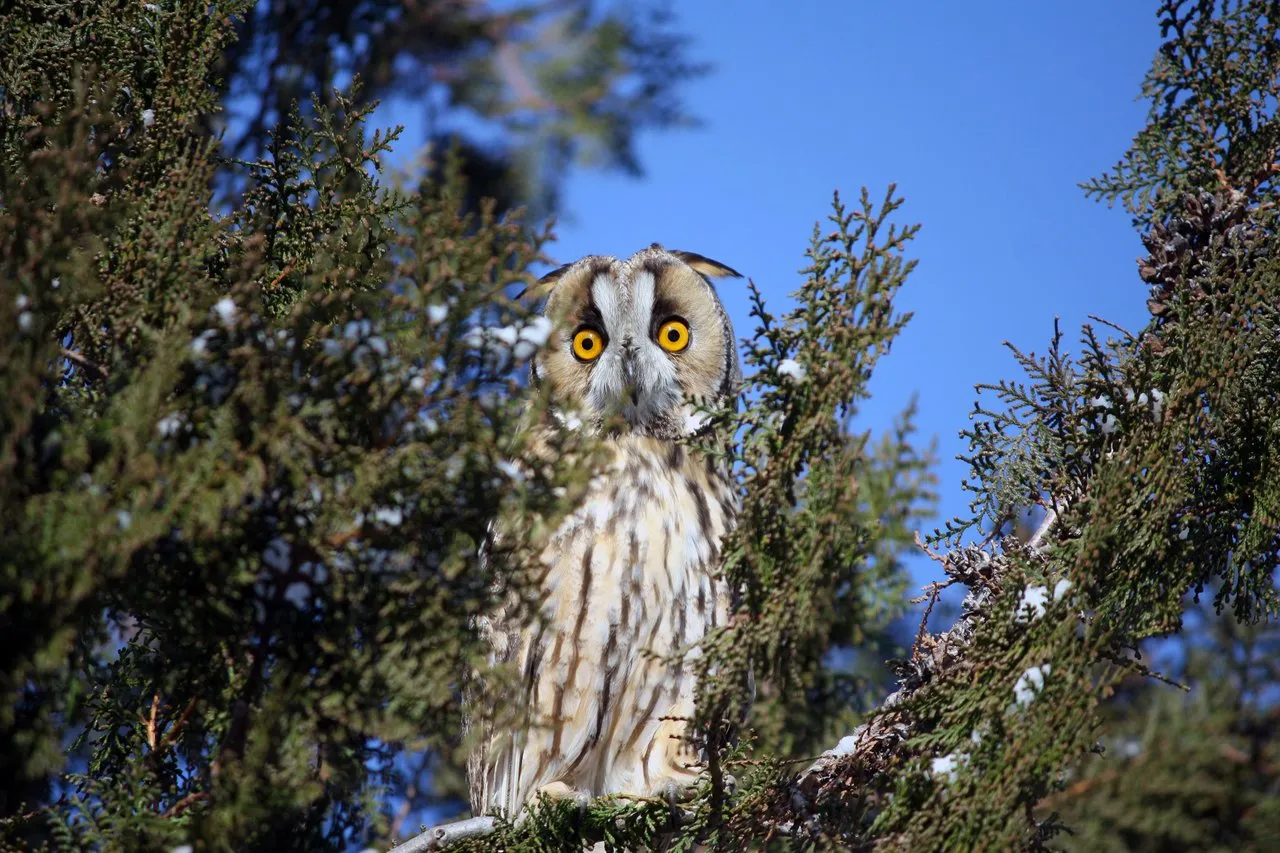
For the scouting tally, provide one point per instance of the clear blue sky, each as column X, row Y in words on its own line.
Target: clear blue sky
column 987, row 115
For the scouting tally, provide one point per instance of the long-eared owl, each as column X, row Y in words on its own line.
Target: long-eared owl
column 629, row 580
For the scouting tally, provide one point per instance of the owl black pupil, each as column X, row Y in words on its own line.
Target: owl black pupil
column 587, row 343
column 673, row 335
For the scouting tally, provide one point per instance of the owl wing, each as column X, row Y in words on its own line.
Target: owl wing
column 495, row 742
column 478, row 726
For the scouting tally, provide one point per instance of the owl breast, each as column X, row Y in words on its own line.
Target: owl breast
column 629, row 587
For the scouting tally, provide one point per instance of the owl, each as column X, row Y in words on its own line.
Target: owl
column 628, row 581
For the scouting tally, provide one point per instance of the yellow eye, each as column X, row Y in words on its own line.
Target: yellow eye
column 673, row 335
column 587, row 344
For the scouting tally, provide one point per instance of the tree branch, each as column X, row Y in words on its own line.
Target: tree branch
column 79, row 359
column 440, row 837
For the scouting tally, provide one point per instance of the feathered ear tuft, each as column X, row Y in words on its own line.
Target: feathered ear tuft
column 546, row 284
column 706, row 266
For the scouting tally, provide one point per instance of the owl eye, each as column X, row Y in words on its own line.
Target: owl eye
column 673, row 335
column 588, row 344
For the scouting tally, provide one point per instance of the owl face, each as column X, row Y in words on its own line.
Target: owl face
column 645, row 338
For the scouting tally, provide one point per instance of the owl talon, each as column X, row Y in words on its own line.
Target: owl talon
column 677, row 790
column 683, row 789
column 559, row 791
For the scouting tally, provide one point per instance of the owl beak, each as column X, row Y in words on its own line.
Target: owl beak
column 630, row 389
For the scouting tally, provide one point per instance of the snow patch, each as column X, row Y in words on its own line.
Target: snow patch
column 169, row 425
column 1029, row 685
column 1061, row 588
column 844, row 747
column 946, row 766
column 567, row 419
column 792, row 369
column 1032, row 604
column 391, row 516
column 511, row 471
column 225, row 308
column 200, row 344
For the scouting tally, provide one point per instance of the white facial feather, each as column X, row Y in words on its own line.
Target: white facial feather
column 634, row 376
column 642, row 286
column 604, row 292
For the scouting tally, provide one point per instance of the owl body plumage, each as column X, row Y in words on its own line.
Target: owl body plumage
column 630, row 586
column 629, row 581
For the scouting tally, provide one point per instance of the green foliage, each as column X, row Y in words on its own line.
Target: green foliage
column 1154, row 455
column 1212, row 124
column 1197, row 770
column 826, row 514
column 250, row 450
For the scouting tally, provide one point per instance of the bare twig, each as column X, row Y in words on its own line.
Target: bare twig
column 172, row 734
column 1036, row 542
column 1121, row 329
column 440, row 837
column 288, row 268
column 151, row 723
column 78, row 359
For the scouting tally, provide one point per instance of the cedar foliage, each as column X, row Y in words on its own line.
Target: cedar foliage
column 1187, row 771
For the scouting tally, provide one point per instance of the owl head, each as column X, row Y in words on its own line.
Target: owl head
column 645, row 338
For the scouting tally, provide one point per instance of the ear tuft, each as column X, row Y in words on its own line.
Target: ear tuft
column 705, row 265
column 546, row 284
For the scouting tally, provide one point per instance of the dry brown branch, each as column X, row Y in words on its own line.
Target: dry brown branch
column 151, row 723
column 172, row 734
column 78, row 359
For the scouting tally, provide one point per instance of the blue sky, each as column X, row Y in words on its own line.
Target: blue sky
column 987, row 116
